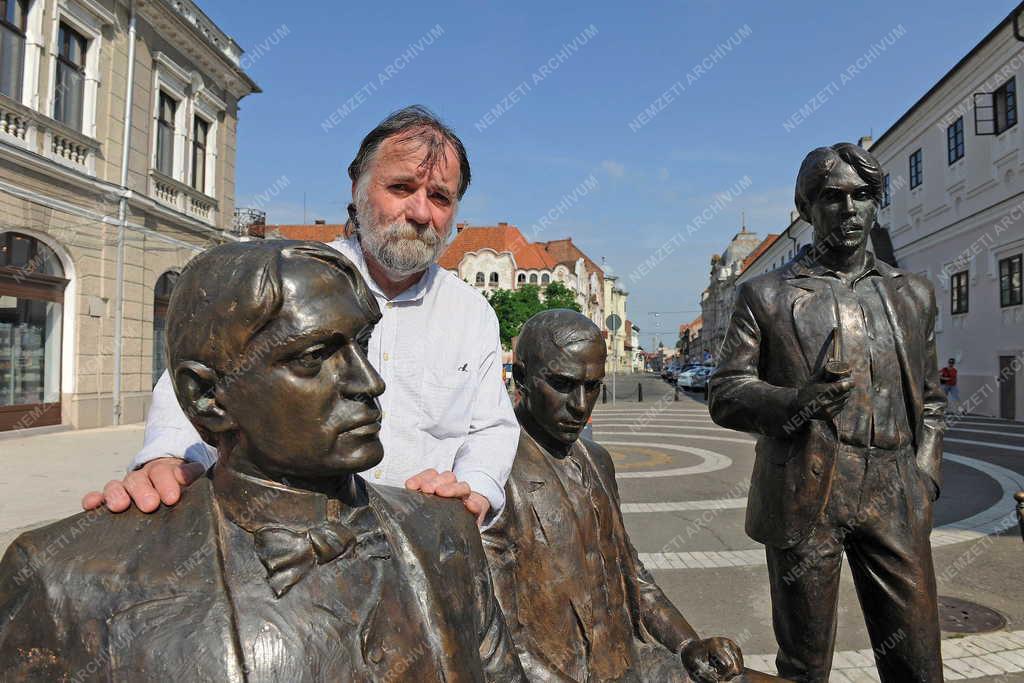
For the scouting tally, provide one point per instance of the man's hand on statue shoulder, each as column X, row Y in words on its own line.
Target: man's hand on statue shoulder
column 821, row 398
column 712, row 659
column 158, row 481
column 447, row 485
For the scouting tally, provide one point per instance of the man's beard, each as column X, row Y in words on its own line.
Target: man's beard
column 400, row 247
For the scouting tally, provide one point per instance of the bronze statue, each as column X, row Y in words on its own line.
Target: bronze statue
column 579, row 603
column 282, row 564
column 831, row 361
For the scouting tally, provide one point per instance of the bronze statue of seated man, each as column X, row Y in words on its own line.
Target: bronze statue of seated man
column 577, row 600
column 282, row 564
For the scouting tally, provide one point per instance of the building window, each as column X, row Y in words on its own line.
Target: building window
column 955, row 141
column 161, row 299
column 69, row 90
column 13, row 14
column 545, row 279
column 533, row 278
column 521, row 278
column 1004, row 100
column 958, row 292
column 199, row 132
column 31, row 307
column 886, row 191
column 167, row 108
column 493, row 280
column 1010, row 281
column 915, row 169
column 479, row 279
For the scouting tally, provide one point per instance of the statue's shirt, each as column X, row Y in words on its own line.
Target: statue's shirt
column 352, row 618
column 875, row 414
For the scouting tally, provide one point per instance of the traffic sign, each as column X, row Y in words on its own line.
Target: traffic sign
column 613, row 322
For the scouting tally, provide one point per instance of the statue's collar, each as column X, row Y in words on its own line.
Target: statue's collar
column 254, row 503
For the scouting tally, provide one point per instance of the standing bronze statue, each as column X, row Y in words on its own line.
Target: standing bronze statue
column 831, row 362
column 579, row 603
column 282, row 564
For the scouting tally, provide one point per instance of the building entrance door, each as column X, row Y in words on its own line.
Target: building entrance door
column 1007, row 388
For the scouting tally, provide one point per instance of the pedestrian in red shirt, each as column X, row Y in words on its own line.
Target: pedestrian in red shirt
column 947, row 378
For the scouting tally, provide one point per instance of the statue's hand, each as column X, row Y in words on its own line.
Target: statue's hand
column 712, row 660
column 158, row 481
column 821, row 399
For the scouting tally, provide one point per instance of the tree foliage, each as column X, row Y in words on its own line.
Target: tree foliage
column 514, row 308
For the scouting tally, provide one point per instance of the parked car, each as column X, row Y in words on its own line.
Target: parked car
column 695, row 379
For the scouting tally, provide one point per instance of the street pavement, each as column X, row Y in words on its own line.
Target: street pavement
column 684, row 482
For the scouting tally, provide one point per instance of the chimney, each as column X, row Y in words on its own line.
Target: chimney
column 502, row 224
column 865, row 142
column 319, row 221
column 459, row 227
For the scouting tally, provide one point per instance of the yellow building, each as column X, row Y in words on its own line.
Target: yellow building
column 117, row 164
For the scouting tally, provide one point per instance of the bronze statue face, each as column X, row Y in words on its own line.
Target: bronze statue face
column 844, row 211
column 561, row 386
column 307, row 407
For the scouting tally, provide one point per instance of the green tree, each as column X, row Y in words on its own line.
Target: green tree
column 514, row 308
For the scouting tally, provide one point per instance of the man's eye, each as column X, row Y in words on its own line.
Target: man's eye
column 442, row 199
column 559, row 384
column 400, row 187
column 310, row 360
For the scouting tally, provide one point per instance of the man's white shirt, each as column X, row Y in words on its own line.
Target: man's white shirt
column 445, row 406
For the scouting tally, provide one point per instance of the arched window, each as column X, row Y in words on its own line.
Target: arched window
column 494, row 279
column 479, row 279
column 161, row 298
column 533, row 278
column 32, row 287
column 521, row 278
column 545, row 279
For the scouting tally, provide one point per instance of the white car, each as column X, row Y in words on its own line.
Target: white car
column 695, row 379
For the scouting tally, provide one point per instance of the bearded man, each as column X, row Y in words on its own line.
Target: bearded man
column 448, row 427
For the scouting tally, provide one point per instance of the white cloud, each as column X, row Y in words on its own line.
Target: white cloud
column 613, row 168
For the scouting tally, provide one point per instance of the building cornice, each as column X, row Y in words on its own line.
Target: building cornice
column 192, row 32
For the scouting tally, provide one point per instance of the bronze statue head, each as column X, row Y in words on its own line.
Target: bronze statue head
column 838, row 191
column 266, row 345
column 558, row 368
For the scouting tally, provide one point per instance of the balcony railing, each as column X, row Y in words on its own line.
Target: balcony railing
column 181, row 197
column 39, row 133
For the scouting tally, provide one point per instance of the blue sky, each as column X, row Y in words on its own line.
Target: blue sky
column 715, row 127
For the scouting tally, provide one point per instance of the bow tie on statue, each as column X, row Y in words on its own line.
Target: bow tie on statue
column 289, row 555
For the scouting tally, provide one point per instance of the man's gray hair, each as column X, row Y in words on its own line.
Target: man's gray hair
column 418, row 123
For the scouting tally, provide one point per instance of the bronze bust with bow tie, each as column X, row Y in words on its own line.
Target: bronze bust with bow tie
column 580, row 605
column 282, row 564
column 831, row 362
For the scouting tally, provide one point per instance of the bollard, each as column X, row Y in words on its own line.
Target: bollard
column 639, row 392
column 677, row 393
column 604, row 393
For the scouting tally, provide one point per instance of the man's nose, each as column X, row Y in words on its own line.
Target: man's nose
column 417, row 208
column 360, row 378
column 848, row 204
column 578, row 400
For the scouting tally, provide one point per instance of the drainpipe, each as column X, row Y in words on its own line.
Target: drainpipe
column 122, row 229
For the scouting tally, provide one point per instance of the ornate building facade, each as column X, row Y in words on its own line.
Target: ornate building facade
column 117, row 164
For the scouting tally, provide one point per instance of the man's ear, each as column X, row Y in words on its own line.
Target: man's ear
column 519, row 376
column 196, row 387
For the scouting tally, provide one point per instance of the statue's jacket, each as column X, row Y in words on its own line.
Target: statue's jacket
column 132, row 597
column 778, row 337
column 577, row 600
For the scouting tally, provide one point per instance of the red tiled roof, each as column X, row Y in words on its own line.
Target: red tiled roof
column 502, row 238
column 760, row 249
column 564, row 251
column 318, row 232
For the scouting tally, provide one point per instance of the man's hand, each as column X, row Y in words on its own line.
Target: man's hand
column 712, row 660
column 822, row 399
column 447, row 485
column 159, row 480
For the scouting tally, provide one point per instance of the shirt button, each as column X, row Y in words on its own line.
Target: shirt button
column 385, row 355
column 390, row 305
column 376, row 475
